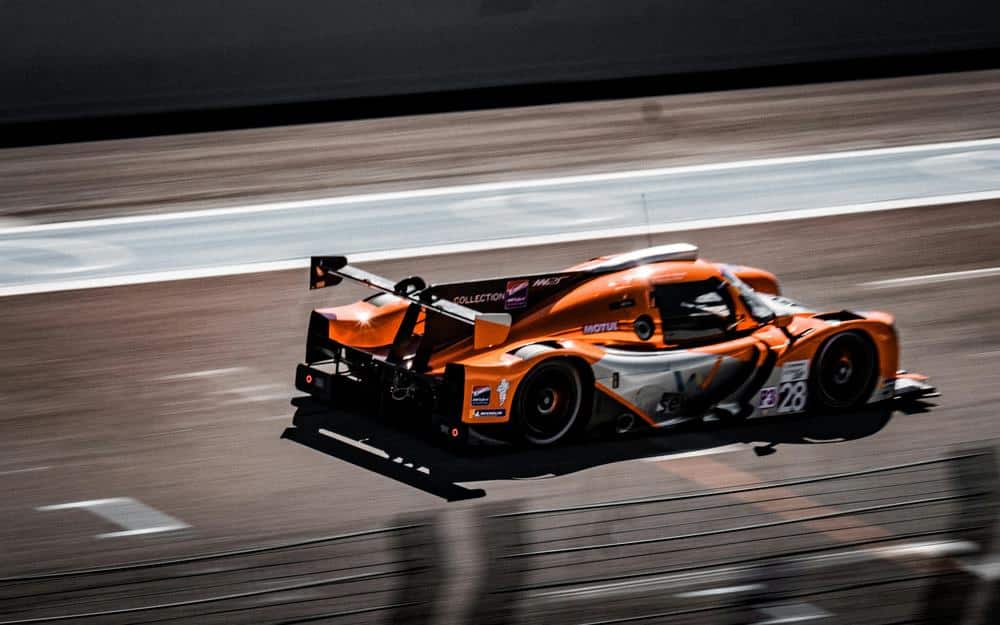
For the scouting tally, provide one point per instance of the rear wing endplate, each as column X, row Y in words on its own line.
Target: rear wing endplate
column 488, row 328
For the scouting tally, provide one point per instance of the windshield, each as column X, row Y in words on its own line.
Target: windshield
column 694, row 311
column 758, row 308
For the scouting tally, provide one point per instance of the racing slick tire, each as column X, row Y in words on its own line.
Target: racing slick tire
column 843, row 372
column 549, row 406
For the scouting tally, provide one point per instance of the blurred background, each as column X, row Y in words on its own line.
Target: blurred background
column 166, row 169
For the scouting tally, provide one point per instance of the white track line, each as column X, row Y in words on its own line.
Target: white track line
column 27, row 470
column 792, row 613
column 81, row 504
column 205, row 373
column 499, row 244
column 353, row 443
column 697, row 453
column 724, row 590
column 932, row 278
column 136, row 517
column 142, row 531
column 503, row 186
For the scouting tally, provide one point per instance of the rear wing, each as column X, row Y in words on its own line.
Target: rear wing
column 488, row 328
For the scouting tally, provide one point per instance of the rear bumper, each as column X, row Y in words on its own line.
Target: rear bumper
column 315, row 382
column 358, row 380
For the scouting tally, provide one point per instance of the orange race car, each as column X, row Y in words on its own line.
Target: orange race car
column 646, row 339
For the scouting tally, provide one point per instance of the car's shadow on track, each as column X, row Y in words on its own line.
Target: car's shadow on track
column 414, row 457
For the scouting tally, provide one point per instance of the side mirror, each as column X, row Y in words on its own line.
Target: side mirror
column 490, row 329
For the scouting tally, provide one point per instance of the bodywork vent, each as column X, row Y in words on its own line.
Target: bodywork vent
column 840, row 315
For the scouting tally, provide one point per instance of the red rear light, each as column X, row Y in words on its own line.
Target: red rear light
column 309, row 378
column 454, row 432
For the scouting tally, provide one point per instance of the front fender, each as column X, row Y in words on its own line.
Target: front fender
column 877, row 327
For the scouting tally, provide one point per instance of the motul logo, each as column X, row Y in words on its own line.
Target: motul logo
column 604, row 326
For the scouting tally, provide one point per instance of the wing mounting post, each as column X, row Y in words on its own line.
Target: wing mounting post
column 490, row 329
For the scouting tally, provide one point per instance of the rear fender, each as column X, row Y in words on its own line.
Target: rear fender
column 491, row 379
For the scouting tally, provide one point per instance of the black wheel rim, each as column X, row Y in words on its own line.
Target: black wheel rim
column 845, row 369
column 550, row 402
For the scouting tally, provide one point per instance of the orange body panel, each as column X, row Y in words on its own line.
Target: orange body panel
column 576, row 314
column 365, row 325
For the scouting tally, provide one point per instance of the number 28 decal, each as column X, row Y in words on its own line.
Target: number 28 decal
column 792, row 396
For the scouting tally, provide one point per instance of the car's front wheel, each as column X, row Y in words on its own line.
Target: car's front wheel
column 549, row 404
column 844, row 371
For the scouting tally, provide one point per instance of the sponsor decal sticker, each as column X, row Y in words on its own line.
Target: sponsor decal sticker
column 669, row 405
column 548, row 281
column 603, row 326
column 794, row 370
column 502, row 389
column 480, row 396
column 793, row 391
column 792, row 396
column 492, row 412
column 516, row 295
column 768, row 397
column 478, row 298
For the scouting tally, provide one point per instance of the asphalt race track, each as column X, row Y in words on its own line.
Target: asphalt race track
column 144, row 422
column 175, row 394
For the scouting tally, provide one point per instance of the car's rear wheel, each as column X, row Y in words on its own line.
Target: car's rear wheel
column 844, row 372
column 548, row 406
